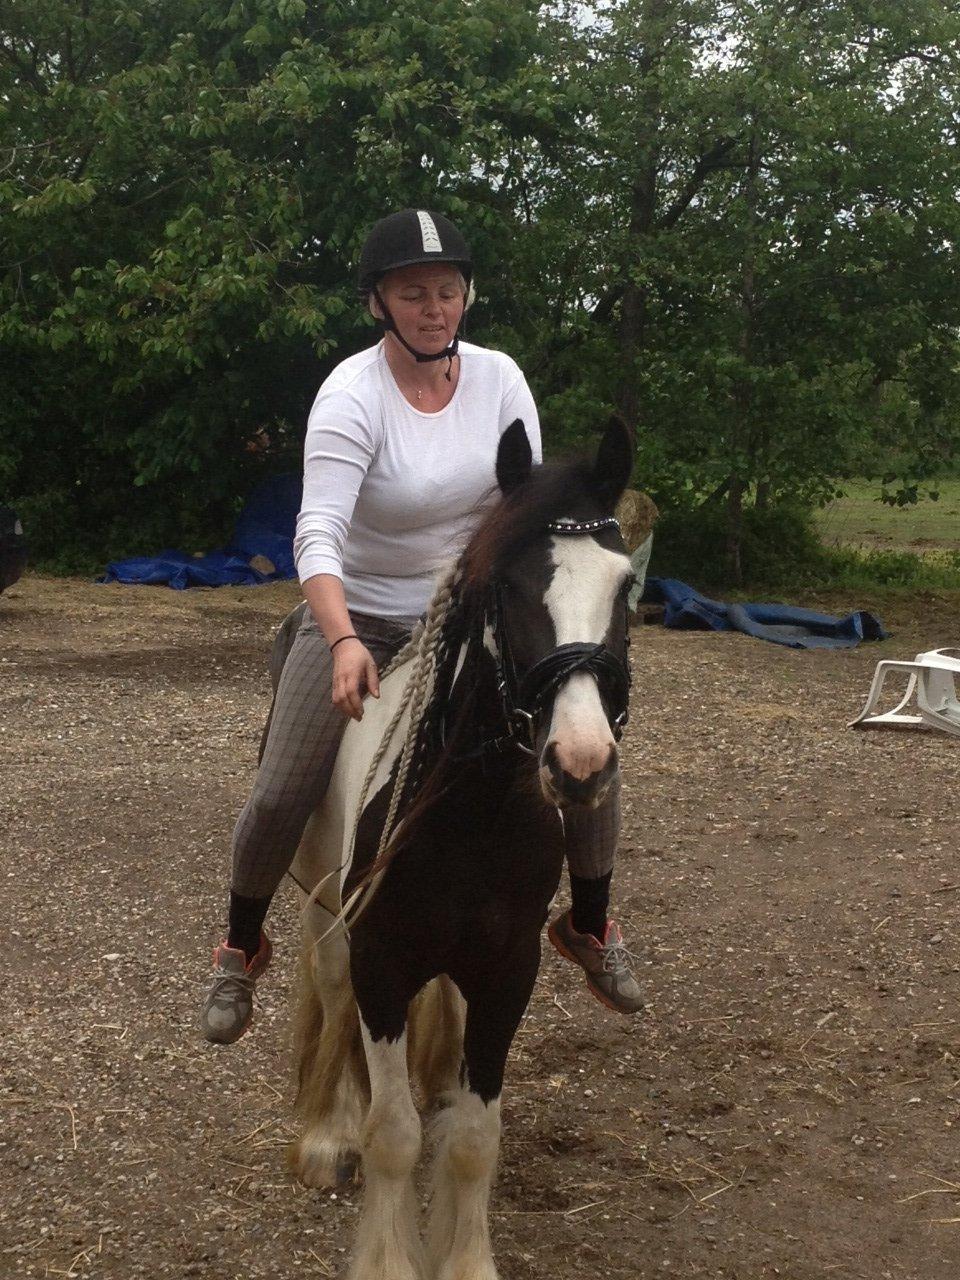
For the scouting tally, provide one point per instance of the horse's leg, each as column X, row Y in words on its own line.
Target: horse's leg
column 388, row 1238
column 333, row 1091
column 436, row 1040
column 469, row 1130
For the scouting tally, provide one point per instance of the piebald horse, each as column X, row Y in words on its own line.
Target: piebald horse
column 428, row 984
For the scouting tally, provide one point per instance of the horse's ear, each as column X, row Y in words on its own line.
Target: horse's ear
column 614, row 464
column 514, row 457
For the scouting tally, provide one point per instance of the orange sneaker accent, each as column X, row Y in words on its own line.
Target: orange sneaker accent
column 228, row 1009
column 605, row 965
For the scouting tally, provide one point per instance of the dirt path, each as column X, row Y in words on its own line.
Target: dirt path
column 789, row 1106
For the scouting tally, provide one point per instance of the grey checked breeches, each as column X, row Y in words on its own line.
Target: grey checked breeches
column 300, row 750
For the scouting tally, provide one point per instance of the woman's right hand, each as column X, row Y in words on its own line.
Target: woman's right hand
column 354, row 674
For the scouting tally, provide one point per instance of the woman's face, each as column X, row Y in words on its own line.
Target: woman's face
column 426, row 303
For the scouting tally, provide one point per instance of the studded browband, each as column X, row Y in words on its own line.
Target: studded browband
column 566, row 525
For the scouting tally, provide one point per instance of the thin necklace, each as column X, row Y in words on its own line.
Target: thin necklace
column 419, row 394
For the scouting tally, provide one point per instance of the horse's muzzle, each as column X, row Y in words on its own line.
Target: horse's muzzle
column 585, row 786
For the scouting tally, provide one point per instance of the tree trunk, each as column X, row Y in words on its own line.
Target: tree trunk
column 650, row 35
column 744, row 392
column 734, row 562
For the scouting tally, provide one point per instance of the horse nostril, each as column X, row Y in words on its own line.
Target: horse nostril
column 593, row 760
column 550, row 760
column 563, row 787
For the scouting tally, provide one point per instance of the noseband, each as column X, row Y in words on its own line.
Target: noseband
column 524, row 696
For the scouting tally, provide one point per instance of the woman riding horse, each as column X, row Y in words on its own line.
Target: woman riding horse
column 398, row 469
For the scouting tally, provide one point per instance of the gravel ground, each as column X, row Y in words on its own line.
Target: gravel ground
column 789, row 1105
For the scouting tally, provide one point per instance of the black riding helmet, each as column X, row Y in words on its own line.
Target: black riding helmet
column 406, row 239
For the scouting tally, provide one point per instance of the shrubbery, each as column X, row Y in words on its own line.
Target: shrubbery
column 780, row 544
column 782, row 553
column 750, row 256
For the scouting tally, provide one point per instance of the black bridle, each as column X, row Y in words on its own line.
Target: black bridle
column 524, row 697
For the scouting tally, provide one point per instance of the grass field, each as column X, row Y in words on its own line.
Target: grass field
column 928, row 529
column 855, row 544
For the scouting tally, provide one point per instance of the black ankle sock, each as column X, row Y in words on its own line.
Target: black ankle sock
column 246, row 920
column 590, row 901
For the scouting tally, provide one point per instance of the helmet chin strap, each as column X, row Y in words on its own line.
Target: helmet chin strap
column 389, row 326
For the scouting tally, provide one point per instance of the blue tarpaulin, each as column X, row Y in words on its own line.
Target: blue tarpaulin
column 687, row 609
column 265, row 528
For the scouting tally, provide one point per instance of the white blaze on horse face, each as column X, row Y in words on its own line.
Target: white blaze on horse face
column 580, row 601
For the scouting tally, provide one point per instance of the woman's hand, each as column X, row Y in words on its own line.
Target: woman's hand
column 354, row 674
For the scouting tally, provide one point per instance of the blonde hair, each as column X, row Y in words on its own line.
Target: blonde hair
column 468, row 291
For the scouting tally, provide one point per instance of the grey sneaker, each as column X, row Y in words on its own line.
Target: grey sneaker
column 228, row 1007
column 606, row 964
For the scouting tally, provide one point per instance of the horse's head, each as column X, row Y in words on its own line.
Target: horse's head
column 557, row 617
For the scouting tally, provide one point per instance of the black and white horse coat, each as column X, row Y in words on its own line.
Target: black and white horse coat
column 437, row 969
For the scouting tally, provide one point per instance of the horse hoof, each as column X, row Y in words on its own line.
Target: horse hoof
column 472, row 1268
column 348, row 1167
column 322, row 1164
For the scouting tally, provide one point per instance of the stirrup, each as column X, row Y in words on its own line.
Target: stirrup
column 932, row 678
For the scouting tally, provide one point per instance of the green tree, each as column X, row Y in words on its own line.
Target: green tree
column 185, row 186
column 761, row 198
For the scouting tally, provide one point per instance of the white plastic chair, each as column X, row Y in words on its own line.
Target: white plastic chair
column 932, row 679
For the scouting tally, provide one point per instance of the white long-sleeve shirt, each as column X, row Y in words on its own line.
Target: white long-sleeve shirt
column 390, row 493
